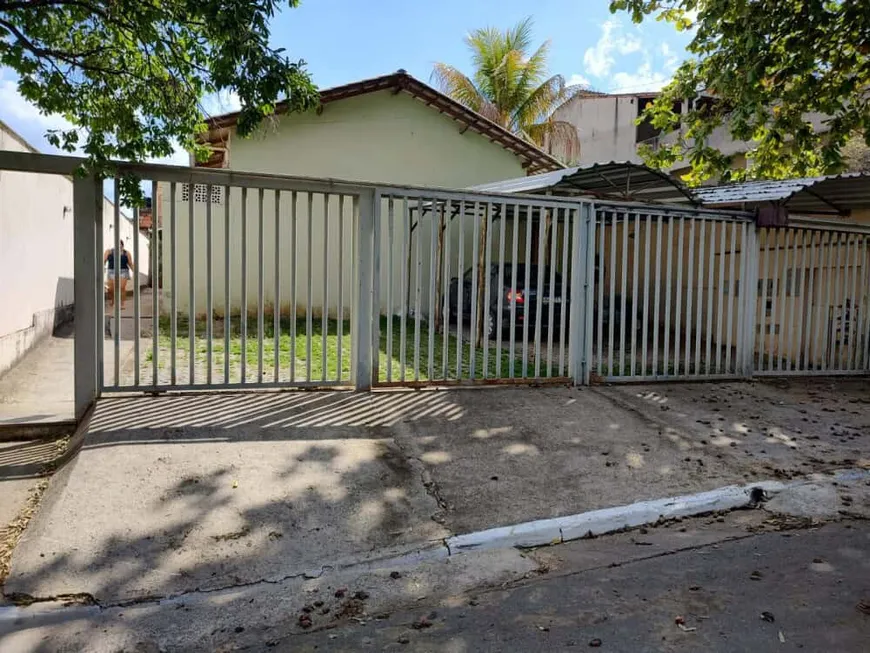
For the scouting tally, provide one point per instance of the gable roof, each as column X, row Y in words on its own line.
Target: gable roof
column 832, row 194
column 535, row 160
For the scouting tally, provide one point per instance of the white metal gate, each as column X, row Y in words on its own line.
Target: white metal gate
column 273, row 281
column 477, row 288
column 667, row 293
column 813, row 297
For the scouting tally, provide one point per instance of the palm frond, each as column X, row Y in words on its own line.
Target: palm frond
column 455, row 84
column 556, row 137
column 542, row 101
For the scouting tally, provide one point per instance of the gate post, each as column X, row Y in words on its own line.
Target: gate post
column 87, row 286
column 362, row 341
column 749, row 285
column 579, row 338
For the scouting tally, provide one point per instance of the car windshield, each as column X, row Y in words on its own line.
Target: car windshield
column 521, row 273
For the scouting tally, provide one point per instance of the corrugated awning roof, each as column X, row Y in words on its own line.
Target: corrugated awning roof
column 620, row 180
column 832, row 194
column 534, row 159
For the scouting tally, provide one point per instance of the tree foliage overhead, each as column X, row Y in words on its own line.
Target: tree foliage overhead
column 769, row 65
column 510, row 86
column 131, row 75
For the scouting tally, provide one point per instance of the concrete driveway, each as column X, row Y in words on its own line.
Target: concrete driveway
column 175, row 494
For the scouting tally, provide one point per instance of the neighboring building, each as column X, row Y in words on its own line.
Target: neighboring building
column 36, row 253
column 608, row 128
column 392, row 129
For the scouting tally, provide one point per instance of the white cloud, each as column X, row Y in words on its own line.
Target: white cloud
column 641, row 80
column 578, row 80
column 672, row 60
column 599, row 59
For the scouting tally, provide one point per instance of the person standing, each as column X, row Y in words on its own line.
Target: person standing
column 126, row 266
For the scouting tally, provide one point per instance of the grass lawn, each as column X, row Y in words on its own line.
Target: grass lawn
column 324, row 362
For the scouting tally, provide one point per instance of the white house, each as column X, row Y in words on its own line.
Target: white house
column 36, row 253
column 392, row 129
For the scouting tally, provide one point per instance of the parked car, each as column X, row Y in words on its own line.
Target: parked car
column 526, row 300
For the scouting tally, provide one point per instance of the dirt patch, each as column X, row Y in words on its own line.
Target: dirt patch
column 11, row 534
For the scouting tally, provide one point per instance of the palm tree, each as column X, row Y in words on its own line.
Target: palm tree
column 511, row 87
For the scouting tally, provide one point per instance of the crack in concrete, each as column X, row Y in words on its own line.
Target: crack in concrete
column 414, row 455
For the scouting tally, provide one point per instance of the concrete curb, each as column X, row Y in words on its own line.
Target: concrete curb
column 607, row 520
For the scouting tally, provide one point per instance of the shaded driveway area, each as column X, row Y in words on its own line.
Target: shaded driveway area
column 173, row 494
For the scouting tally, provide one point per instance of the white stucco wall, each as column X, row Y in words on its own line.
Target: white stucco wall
column 36, row 254
column 606, row 127
column 379, row 137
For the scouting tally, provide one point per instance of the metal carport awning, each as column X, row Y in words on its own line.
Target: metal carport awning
column 617, row 180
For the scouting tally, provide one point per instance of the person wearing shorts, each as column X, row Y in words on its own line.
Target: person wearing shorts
column 126, row 266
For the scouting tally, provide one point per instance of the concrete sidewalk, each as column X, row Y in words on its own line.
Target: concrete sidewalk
column 173, row 494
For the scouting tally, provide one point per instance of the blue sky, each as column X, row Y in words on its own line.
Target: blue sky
column 347, row 40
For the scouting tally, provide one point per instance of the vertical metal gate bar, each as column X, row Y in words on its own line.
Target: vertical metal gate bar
column 826, row 308
column 821, row 312
column 445, row 291
column 733, row 295
column 721, row 300
column 863, row 326
column 173, row 292
column 209, row 273
column 433, row 272
column 812, row 322
column 460, row 289
column 475, row 259
column 774, row 311
column 842, row 291
column 657, row 297
column 243, row 277
column 644, row 363
column 391, row 215
column 499, row 326
column 854, row 306
column 563, row 304
column 542, row 274
column 793, row 357
column 294, row 279
column 690, row 291
column 527, row 269
column 134, row 273
column 405, row 287
column 191, row 305
column 865, row 273
column 678, row 305
column 624, row 321
column 699, row 298
column 638, row 224
column 487, row 290
column 276, row 305
column 261, row 273
column 513, row 296
column 156, row 215
column 418, row 267
column 376, row 310
column 851, row 348
column 599, row 263
column 614, row 224
column 309, row 316
column 324, row 302
column 743, row 299
column 711, row 272
column 669, row 275
column 584, row 234
column 782, row 301
column 228, row 319
column 116, row 271
column 838, row 307
column 763, row 312
column 551, row 318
